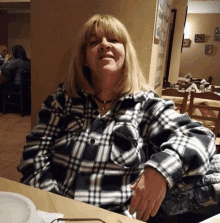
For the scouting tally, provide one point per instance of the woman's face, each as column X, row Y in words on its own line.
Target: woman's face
column 104, row 55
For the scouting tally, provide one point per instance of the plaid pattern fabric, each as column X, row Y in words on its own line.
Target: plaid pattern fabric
column 201, row 192
column 74, row 152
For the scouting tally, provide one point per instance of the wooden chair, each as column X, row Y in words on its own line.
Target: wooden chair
column 176, row 93
column 193, row 79
column 209, row 80
column 166, row 84
column 184, row 86
column 215, row 89
column 208, row 108
column 17, row 97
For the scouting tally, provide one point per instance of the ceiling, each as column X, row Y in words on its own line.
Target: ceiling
column 16, row 7
column 194, row 6
column 205, row 6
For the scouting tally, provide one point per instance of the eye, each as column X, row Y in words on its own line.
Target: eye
column 93, row 42
column 113, row 40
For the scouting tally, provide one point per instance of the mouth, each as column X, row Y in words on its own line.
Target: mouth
column 106, row 56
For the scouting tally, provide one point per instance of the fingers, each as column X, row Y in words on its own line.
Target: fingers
column 148, row 211
column 156, row 207
column 134, row 203
column 142, row 207
column 133, row 186
column 149, row 192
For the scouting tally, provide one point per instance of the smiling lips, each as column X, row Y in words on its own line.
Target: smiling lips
column 106, row 56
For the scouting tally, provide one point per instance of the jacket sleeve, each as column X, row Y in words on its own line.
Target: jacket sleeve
column 7, row 68
column 35, row 164
column 182, row 147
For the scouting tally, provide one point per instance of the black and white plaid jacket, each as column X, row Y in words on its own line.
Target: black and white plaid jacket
column 74, row 152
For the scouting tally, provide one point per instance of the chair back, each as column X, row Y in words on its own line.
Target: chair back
column 193, row 79
column 176, row 93
column 208, row 111
column 21, row 92
column 184, row 86
column 166, row 84
column 209, row 80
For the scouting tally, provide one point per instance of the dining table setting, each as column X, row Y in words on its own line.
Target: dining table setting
column 20, row 203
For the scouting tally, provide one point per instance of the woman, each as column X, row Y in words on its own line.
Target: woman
column 105, row 138
column 12, row 70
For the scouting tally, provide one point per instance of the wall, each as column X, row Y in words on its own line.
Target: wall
column 4, row 29
column 55, row 24
column 12, row 1
column 176, row 55
column 180, row 6
column 193, row 59
column 19, row 31
column 16, row 29
column 158, row 64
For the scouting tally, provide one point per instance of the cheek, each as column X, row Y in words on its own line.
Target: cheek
column 122, row 54
column 122, row 51
column 90, row 57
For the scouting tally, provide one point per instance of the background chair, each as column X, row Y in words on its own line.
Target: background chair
column 166, row 84
column 184, row 86
column 176, row 93
column 209, row 112
column 20, row 96
column 193, row 79
column 209, row 80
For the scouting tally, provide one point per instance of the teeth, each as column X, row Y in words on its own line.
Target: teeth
column 106, row 56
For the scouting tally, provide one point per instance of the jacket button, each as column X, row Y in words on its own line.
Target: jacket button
column 81, row 175
column 134, row 143
column 92, row 141
column 96, row 113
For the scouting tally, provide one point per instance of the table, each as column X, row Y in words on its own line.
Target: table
column 214, row 219
column 183, row 79
column 49, row 202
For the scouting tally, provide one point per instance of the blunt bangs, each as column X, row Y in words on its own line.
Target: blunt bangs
column 108, row 25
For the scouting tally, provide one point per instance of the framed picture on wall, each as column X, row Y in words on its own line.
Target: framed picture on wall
column 159, row 18
column 208, row 49
column 186, row 42
column 199, row 38
column 217, row 37
column 217, row 30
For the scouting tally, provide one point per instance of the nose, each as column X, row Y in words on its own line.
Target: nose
column 104, row 44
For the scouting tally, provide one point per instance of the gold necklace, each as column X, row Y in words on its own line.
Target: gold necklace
column 104, row 102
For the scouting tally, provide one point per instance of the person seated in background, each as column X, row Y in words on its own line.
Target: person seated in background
column 12, row 70
column 105, row 138
column 4, row 56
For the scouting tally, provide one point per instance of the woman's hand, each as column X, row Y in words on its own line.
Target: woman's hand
column 149, row 192
column 7, row 57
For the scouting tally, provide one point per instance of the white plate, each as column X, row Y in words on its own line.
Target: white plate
column 16, row 208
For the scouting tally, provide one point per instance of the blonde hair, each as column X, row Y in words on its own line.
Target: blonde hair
column 132, row 80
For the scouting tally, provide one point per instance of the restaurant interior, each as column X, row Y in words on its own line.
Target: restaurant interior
column 189, row 72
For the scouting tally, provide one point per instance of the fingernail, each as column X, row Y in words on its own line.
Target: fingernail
column 146, row 219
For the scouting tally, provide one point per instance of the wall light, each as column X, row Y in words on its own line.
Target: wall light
column 187, row 31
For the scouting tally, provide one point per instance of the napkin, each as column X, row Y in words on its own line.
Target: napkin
column 48, row 217
column 203, row 81
column 188, row 75
column 194, row 86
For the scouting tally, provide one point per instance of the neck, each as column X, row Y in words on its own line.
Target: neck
column 105, row 89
